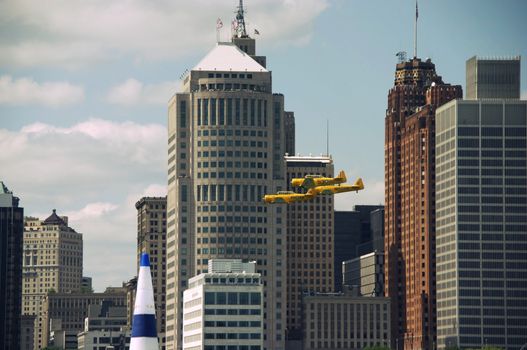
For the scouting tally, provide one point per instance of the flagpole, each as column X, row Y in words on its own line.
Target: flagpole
column 415, row 29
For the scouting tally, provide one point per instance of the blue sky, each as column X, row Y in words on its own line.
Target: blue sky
column 84, row 85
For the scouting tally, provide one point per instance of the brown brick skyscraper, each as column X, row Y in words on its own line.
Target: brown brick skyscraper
column 410, row 201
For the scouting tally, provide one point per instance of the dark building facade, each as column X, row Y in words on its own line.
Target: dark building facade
column 151, row 238
column 409, row 239
column 11, row 239
column 353, row 236
column 309, row 242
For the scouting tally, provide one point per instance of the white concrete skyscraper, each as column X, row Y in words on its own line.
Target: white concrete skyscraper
column 226, row 142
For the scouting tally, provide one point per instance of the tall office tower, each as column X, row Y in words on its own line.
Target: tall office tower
column 309, row 241
column 226, row 142
column 409, row 239
column 353, row 236
column 11, row 237
column 493, row 78
column 290, row 133
column 52, row 262
column 151, row 239
column 481, row 219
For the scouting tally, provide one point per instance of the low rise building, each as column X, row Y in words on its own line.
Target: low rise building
column 223, row 309
column 366, row 273
column 105, row 327
column 335, row 321
column 66, row 312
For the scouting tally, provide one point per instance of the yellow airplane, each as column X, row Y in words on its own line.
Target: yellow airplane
column 333, row 189
column 310, row 181
column 288, row 197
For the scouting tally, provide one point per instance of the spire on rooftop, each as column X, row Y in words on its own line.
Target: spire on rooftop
column 240, row 30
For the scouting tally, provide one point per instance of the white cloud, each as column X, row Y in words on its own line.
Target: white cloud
column 27, row 91
column 91, row 211
column 133, row 92
column 73, row 33
column 524, row 95
column 94, row 172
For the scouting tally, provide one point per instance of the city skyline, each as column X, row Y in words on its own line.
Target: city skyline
column 103, row 139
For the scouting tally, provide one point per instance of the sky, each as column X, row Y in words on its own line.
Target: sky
column 84, row 87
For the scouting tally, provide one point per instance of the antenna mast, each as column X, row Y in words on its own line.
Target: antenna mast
column 240, row 22
column 415, row 29
column 327, row 137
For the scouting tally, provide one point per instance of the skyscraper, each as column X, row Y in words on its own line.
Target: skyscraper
column 493, row 78
column 151, row 239
column 409, row 239
column 11, row 237
column 52, row 263
column 481, row 219
column 309, row 241
column 226, row 141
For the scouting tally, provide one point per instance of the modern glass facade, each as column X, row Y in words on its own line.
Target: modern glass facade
column 481, row 184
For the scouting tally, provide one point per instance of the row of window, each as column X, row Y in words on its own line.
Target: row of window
column 236, row 154
column 233, row 336
column 231, row 175
column 232, row 298
column 230, row 229
column 490, row 131
column 232, row 87
column 231, row 240
column 231, row 75
column 228, row 251
column 491, row 143
column 230, row 164
column 229, row 208
column 491, row 162
column 239, row 112
column 232, row 312
column 492, row 190
column 232, row 132
column 232, row 347
column 233, row 324
column 491, row 172
column 229, row 193
column 491, row 153
column 232, row 143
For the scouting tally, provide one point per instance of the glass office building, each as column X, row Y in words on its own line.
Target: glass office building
column 481, row 215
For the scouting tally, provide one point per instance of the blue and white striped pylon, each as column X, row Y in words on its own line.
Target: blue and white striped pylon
column 144, row 334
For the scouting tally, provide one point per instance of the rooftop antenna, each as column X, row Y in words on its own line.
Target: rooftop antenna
column 415, row 29
column 327, row 137
column 240, row 22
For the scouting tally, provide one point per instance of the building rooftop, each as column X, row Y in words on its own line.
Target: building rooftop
column 310, row 158
column 228, row 57
column 54, row 219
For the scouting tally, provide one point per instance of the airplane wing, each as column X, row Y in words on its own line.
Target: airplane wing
column 288, row 198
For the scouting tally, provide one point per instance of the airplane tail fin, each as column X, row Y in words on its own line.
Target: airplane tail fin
column 342, row 176
column 359, row 184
